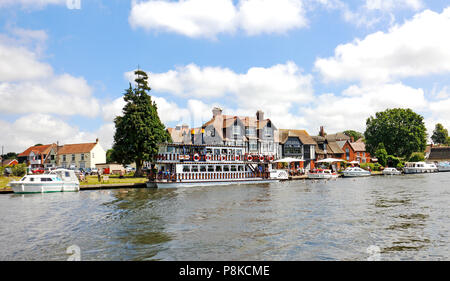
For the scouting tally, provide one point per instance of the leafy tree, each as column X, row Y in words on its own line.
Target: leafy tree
column 440, row 134
column 109, row 156
column 19, row 170
column 139, row 131
column 416, row 157
column 402, row 132
column 356, row 135
column 381, row 154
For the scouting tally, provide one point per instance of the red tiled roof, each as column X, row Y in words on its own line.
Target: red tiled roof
column 40, row 149
column 76, row 148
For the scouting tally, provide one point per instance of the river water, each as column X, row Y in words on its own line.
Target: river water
column 404, row 217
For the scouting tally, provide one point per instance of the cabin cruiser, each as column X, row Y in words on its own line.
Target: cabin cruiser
column 356, row 172
column 419, row 167
column 322, row 174
column 444, row 167
column 58, row 180
column 391, row 171
column 186, row 165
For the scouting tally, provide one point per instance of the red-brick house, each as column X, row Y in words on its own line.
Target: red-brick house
column 356, row 151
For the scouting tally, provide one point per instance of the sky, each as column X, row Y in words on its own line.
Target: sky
column 65, row 64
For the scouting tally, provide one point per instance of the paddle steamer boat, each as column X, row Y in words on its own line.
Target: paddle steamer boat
column 180, row 165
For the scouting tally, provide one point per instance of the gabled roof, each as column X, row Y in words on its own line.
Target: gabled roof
column 40, row 149
column 337, row 137
column 358, row 146
column 77, row 148
column 334, row 147
column 304, row 137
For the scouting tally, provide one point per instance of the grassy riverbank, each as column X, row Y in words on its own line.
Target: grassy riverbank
column 4, row 181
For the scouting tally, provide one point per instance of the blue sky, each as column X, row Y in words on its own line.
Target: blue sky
column 306, row 63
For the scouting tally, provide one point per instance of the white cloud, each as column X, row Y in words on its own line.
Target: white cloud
column 418, row 47
column 28, row 85
column 351, row 109
column 389, row 5
column 207, row 18
column 276, row 84
column 31, row 129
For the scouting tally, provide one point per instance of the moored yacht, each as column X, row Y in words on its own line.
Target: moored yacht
column 444, row 167
column 419, row 167
column 322, row 174
column 356, row 172
column 391, row 171
column 59, row 180
column 181, row 165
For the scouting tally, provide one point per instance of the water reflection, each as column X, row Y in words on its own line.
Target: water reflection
column 407, row 217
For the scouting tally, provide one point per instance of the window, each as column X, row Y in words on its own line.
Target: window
column 253, row 145
column 250, row 131
column 218, row 168
column 233, row 168
column 236, row 130
column 82, row 157
column 210, row 168
column 213, row 132
column 240, row 168
column 186, row 169
column 347, row 154
column 73, row 157
column 46, row 179
column 202, row 168
column 216, row 151
column 52, row 157
column 226, row 168
column 195, row 169
column 267, row 132
column 64, row 158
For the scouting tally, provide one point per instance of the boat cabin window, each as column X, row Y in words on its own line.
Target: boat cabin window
column 195, row 169
column 186, row 169
column 210, row 168
column 233, row 168
column 67, row 174
column 46, row 179
column 218, row 168
column 202, row 168
column 231, row 151
column 224, row 151
column 226, row 168
column 240, row 168
column 239, row 151
column 170, row 149
column 209, row 151
column 216, row 151
column 24, row 178
column 31, row 179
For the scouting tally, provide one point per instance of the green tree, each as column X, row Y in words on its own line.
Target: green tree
column 381, row 154
column 402, row 131
column 440, row 134
column 356, row 135
column 109, row 156
column 139, row 131
column 417, row 157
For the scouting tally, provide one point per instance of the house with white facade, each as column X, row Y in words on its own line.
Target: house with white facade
column 81, row 155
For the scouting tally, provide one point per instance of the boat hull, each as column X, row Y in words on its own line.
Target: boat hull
column 354, row 175
column 322, row 176
column 419, row 171
column 444, row 169
column 21, row 188
column 173, row 184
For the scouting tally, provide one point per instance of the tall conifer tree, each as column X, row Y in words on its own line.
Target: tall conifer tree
column 139, row 130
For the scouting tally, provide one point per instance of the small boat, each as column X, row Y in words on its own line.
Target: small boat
column 279, row 174
column 391, row 171
column 419, row 167
column 444, row 167
column 356, row 172
column 59, row 180
column 322, row 174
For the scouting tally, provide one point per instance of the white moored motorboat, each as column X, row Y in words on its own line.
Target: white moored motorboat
column 419, row 167
column 322, row 174
column 391, row 171
column 444, row 167
column 59, row 180
column 183, row 165
column 356, row 172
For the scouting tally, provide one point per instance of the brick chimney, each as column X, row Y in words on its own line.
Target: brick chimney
column 321, row 132
column 352, row 139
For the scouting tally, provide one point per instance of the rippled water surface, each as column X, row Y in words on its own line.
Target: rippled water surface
column 407, row 217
